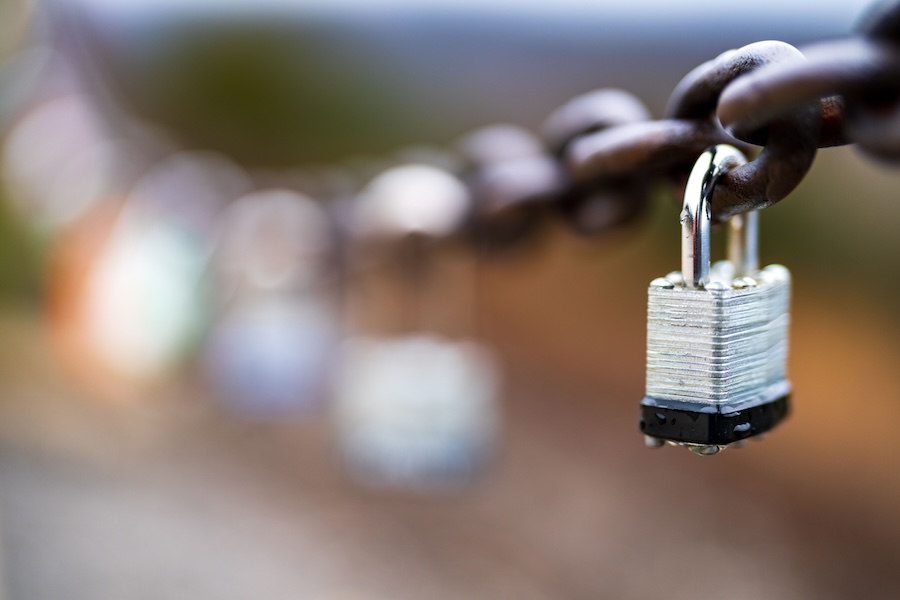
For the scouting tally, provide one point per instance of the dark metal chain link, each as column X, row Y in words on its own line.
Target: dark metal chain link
column 857, row 79
column 600, row 155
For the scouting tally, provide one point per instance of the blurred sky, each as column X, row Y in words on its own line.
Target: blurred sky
column 689, row 9
column 316, row 81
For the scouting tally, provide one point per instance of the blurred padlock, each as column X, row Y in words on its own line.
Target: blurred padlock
column 416, row 391
column 272, row 346
column 716, row 336
column 416, row 411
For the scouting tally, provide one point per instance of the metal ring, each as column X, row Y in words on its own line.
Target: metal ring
column 591, row 112
column 594, row 204
column 852, row 68
column 696, row 215
column 508, row 170
column 651, row 146
column 790, row 140
column 512, row 182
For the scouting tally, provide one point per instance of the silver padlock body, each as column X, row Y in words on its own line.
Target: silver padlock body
column 720, row 352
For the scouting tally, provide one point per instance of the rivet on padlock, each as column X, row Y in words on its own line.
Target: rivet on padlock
column 716, row 334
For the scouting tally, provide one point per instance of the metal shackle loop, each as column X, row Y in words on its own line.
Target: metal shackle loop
column 696, row 216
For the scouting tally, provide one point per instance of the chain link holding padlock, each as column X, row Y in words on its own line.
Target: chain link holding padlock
column 609, row 154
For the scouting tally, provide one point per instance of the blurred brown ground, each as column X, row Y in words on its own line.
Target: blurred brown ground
column 167, row 499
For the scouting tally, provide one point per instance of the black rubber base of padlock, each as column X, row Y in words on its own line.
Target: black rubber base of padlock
column 681, row 422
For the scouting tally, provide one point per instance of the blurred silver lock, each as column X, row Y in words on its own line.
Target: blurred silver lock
column 416, row 411
column 717, row 336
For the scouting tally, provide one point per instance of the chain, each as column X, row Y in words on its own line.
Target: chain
column 857, row 79
column 599, row 156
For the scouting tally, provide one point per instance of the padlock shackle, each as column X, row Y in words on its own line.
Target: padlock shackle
column 743, row 243
column 695, row 213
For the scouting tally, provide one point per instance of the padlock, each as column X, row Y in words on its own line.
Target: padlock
column 717, row 336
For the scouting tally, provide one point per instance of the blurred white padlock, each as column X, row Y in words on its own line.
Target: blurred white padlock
column 416, row 411
column 272, row 347
column 416, row 391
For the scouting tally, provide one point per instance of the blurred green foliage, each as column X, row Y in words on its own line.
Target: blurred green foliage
column 22, row 255
column 262, row 92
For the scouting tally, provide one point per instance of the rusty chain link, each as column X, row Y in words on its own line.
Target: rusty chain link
column 858, row 80
column 600, row 154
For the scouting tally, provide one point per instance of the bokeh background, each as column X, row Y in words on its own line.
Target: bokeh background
column 133, row 132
